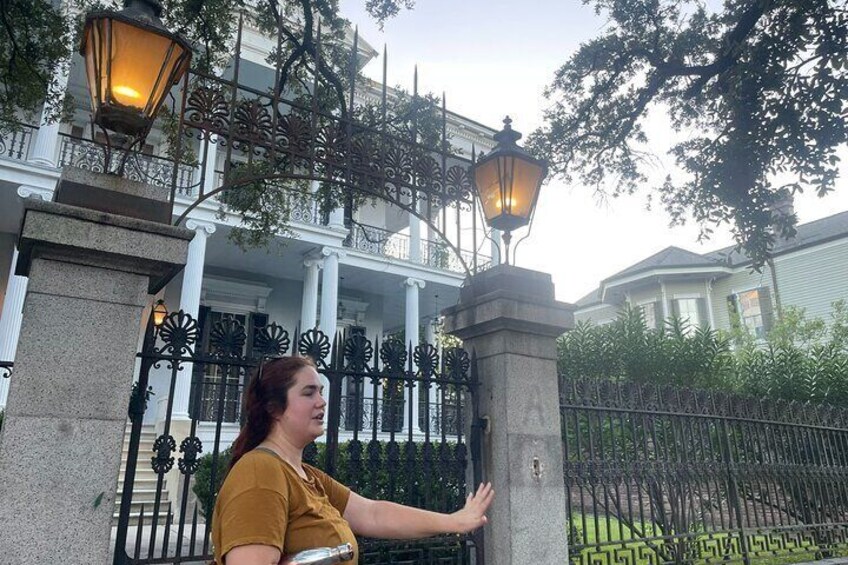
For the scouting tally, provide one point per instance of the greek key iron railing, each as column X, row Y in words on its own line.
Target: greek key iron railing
column 426, row 468
column 661, row 474
column 15, row 142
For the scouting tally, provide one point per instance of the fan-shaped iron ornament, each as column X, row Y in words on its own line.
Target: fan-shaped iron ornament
column 179, row 333
column 457, row 363
column 393, row 354
column 271, row 341
column 315, row 344
column 227, row 337
column 358, row 352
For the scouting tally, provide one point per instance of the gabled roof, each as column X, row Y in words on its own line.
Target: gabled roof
column 668, row 258
column 811, row 233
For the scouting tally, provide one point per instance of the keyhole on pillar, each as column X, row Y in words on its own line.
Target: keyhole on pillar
column 537, row 468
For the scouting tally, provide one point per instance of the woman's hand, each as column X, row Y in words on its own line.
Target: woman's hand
column 473, row 515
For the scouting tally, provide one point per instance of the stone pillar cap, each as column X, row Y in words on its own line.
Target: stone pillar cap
column 506, row 297
column 89, row 237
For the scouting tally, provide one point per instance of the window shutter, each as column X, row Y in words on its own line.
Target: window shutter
column 658, row 315
column 675, row 309
column 703, row 315
column 255, row 322
column 766, row 308
column 732, row 307
column 204, row 323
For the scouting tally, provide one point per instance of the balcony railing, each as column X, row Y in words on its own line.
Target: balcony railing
column 378, row 241
column 15, row 144
column 387, row 415
column 150, row 169
column 437, row 255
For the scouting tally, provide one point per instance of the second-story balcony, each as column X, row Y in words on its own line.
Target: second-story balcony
column 17, row 145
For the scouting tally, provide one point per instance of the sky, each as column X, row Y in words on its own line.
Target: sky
column 495, row 57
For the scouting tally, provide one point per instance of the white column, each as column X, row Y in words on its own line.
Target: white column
column 330, row 291
column 209, row 181
column 411, row 330
column 430, row 331
column 44, row 147
column 495, row 249
column 10, row 321
column 337, row 219
column 13, row 303
column 309, row 304
column 414, row 238
column 708, row 288
column 666, row 311
column 190, row 304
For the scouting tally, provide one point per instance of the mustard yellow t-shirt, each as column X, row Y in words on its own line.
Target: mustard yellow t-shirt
column 264, row 501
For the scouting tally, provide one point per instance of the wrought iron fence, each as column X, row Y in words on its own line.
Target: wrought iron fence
column 15, row 140
column 662, row 474
column 427, row 470
column 6, row 369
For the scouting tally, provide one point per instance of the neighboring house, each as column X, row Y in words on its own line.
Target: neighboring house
column 388, row 273
column 811, row 270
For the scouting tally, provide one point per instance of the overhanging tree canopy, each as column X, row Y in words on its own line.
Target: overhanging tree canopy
column 755, row 91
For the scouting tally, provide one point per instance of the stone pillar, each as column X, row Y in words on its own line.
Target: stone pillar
column 16, row 286
column 509, row 318
column 190, row 304
column 412, row 338
column 91, row 275
column 309, row 304
column 47, row 138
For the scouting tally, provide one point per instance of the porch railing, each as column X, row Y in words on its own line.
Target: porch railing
column 15, row 143
column 378, row 241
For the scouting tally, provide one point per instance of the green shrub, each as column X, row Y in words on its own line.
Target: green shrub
column 803, row 360
column 438, row 489
column 203, row 480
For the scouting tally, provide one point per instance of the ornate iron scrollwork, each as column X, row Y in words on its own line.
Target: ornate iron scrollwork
column 191, row 447
column 164, row 446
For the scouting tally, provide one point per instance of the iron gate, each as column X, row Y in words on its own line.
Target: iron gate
column 396, row 430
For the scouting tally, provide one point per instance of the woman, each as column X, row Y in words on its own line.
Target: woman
column 272, row 503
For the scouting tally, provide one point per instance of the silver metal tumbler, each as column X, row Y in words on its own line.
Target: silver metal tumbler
column 320, row 556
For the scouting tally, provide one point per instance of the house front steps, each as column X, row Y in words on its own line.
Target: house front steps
column 144, row 486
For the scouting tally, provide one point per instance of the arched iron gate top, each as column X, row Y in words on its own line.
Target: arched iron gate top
column 293, row 142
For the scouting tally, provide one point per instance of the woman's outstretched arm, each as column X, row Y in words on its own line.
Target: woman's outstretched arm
column 387, row 520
